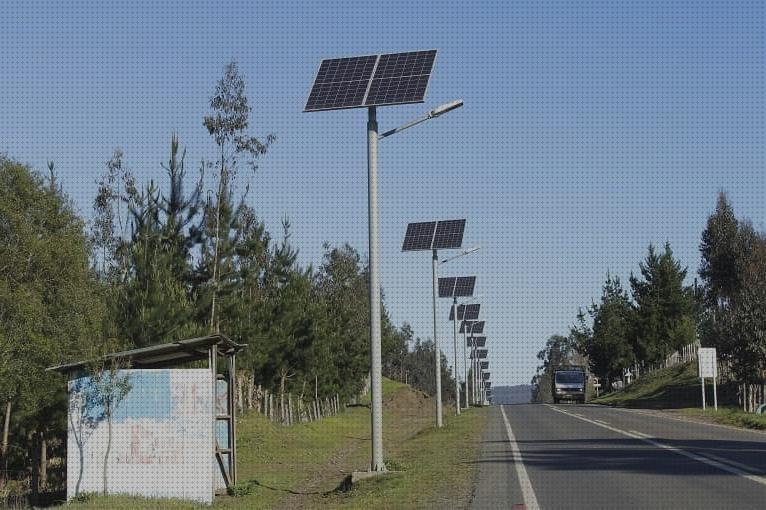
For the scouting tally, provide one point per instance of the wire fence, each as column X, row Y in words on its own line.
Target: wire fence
column 283, row 407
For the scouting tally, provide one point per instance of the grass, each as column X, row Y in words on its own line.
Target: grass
column 436, row 469
column 301, row 466
column 729, row 416
column 671, row 388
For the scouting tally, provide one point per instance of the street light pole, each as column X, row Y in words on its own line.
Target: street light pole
column 454, row 340
column 376, row 384
column 446, row 108
column 437, row 352
column 465, row 367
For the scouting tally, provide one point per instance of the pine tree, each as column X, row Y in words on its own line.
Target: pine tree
column 663, row 318
column 606, row 344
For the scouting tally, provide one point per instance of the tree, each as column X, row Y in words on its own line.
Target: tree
column 227, row 125
column 740, row 327
column 663, row 318
column 606, row 344
column 146, row 265
column 718, row 268
column 50, row 303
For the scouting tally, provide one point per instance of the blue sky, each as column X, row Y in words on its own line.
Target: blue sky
column 590, row 129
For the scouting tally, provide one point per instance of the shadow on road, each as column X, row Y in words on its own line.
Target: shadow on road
column 635, row 456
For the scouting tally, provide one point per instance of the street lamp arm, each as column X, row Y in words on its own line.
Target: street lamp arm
column 463, row 254
column 436, row 112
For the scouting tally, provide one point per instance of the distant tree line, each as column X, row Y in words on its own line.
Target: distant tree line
column 167, row 260
column 662, row 314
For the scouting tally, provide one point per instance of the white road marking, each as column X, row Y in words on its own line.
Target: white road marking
column 530, row 499
column 719, row 464
column 599, row 421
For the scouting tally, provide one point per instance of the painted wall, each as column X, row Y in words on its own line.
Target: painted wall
column 162, row 435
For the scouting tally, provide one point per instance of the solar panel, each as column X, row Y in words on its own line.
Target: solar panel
column 472, row 312
column 449, row 234
column 434, row 235
column 371, row 80
column 341, row 83
column 487, row 384
column 481, row 353
column 401, row 78
column 447, row 286
column 460, row 312
column 419, row 236
column 484, row 365
column 465, row 326
column 476, row 341
column 485, row 375
column 478, row 327
column 464, row 286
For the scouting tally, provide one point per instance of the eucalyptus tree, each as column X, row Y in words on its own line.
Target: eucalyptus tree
column 227, row 125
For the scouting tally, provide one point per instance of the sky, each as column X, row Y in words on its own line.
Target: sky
column 590, row 129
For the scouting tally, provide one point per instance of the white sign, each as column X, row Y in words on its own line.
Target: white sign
column 707, row 362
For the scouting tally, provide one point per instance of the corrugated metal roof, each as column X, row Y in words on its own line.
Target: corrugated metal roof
column 164, row 355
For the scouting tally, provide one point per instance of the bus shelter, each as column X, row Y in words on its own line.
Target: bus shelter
column 171, row 434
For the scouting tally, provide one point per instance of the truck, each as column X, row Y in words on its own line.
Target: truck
column 568, row 384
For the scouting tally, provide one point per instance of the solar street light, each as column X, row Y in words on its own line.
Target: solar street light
column 370, row 81
column 454, row 287
column 436, row 235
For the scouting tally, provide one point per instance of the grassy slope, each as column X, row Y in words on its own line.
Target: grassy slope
column 311, row 459
column 678, row 389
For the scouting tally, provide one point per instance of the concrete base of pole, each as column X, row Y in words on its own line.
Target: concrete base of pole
column 357, row 476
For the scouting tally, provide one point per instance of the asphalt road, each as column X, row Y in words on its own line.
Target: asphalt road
column 585, row 456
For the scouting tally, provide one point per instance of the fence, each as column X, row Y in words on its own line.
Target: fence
column 281, row 407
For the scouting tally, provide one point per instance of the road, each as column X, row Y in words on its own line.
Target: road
column 589, row 457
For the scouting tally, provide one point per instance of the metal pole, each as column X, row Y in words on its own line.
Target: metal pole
column 437, row 352
column 214, row 372
column 715, row 395
column 703, row 392
column 465, row 368
column 454, row 340
column 375, row 361
column 475, row 374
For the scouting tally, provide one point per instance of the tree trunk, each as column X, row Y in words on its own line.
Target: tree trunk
column 43, row 462
column 35, row 479
column 6, row 428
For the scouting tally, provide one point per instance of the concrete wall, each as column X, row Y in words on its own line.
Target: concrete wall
column 162, row 436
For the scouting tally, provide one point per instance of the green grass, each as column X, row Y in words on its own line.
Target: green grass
column 275, row 461
column 436, row 469
column 729, row 416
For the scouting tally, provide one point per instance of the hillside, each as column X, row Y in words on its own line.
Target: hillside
column 304, row 465
column 672, row 388
column 677, row 391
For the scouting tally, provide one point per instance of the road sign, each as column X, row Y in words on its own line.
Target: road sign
column 706, row 357
column 707, row 362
